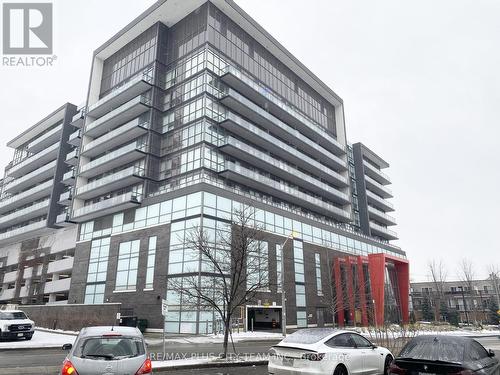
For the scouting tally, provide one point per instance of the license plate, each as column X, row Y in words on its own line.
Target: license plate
column 20, row 334
column 287, row 361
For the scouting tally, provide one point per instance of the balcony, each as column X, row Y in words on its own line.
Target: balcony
column 116, row 137
column 79, row 119
column 30, row 179
column 122, row 156
column 246, row 130
column 57, row 286
column 263, row 161
column 122, row 94
column 69, row 177
column 126, row 177
column 33, row 194
column 376, row 174
column 66, row 198
column 75, row 138
column 24, row 233
column 10, row 277
column 377, row 188
column 45, row 140
column 288, row 114
column 379, row 230
column 25, row 214
column 64, row 220
column 381, row 216
column 61, row 265
column 35, row 161
column 72, row 157
column 118, row 116
column 7, row 294
column 379, row 201
column 248, row 109
column 247, row 177
column 106, row 207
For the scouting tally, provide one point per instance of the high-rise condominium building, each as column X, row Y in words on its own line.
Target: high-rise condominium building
column 193, row 110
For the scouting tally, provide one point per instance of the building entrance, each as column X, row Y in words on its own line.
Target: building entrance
column 263, row 318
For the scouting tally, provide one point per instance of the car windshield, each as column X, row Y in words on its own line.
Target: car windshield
column 109, row 347
column 307, row 336
column 16, row 315
column 435, row 349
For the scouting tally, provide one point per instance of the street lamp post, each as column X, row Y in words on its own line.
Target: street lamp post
column 283, row 294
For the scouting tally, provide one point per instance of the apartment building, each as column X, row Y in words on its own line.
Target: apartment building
column 471, row 301
column 193, row 110
column 36, row 254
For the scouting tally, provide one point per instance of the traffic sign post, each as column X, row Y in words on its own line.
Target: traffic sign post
column 164, row 311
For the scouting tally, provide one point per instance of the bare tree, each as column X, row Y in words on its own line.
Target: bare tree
column 438, row 274
column 494, row 276
column 234, row 268
column 467, row 276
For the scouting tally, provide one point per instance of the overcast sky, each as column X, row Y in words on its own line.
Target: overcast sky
column 420, row 82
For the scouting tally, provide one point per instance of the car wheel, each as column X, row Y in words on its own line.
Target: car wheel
column 387, row 364
column 340, row 370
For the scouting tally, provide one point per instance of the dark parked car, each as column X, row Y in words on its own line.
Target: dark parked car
column 444, row 355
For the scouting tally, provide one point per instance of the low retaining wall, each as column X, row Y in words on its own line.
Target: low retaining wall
column 72, row 317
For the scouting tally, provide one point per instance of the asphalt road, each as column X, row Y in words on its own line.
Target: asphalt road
column 48, row 361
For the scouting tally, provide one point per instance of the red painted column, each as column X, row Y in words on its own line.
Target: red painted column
column 350, row 289
column 362, row 292
column 403, row 274
column 376, row 266
column 339, row 292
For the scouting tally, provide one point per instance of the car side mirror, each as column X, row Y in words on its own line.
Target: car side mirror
column 67, row 346
column 491, row 353
column 374, row 346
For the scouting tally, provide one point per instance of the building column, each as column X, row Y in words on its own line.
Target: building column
column 338, row 292
column 362, row 292
column 376, row 266
column 403, row 275
column 350, row 290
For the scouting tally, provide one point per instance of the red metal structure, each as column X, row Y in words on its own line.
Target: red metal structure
column 376, row 264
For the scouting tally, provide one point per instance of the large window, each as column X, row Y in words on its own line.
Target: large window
column 151, row 262
column 258, row 266
column 128, row 262
column 317, row 263
column 98, row 268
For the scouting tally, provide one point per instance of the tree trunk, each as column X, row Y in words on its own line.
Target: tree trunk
column 227, row 327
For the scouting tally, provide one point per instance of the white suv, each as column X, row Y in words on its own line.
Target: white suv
column 14, row 324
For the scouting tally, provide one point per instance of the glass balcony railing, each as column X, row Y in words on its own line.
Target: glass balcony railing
column 287, row 132
column 269, row 95
column 384, row 203
column 376, row 173
column 116, row 136
column 66, row 196
column 288, row 172
column 105, row 205
column 287, row 152
column 23, row 230
column 383, row 230
column 379, row 188
column 45, row 139
column 381, row 215
column 115, row 158
column 32, row 211
column 124, row 90
column 31, row 194
column 122, row 114
column 31, row 178
column 294, row 194
column 35, row 161
column 74, row 137
column 72, row 157
column 133, row 171
column 69, row 176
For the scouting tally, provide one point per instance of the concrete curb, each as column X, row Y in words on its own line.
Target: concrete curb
column 210, row 365
column 55, row 332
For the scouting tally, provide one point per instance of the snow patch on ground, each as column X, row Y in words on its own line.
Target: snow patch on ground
column 41, row 339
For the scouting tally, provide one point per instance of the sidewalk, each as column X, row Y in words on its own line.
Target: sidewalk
column 155, row 338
